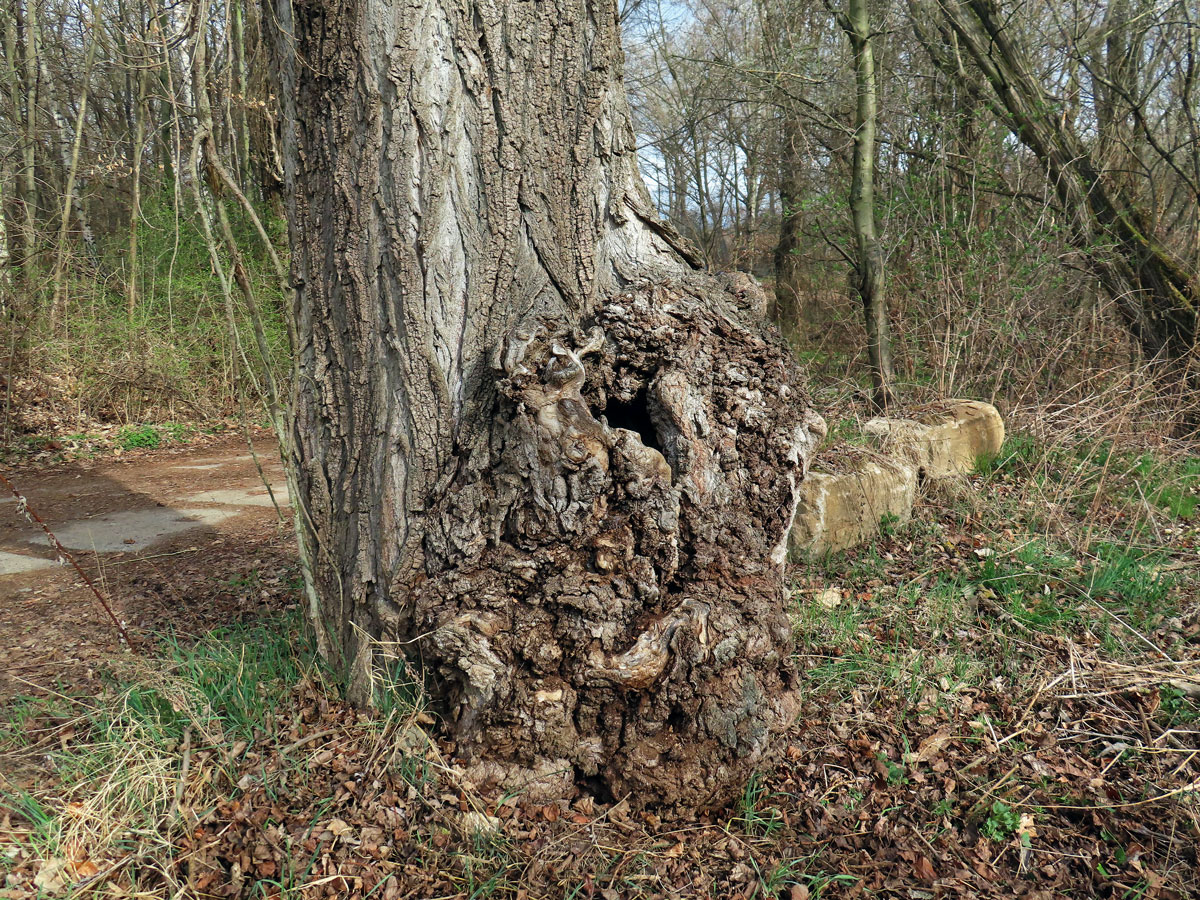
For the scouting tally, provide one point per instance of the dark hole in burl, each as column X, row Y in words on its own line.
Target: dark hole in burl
column 633, row 416
column 595, row 786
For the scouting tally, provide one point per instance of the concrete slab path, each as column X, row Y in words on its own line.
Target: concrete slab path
column 180, row 539
column 130, row 506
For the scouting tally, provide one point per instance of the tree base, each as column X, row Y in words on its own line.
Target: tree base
column 605, row 595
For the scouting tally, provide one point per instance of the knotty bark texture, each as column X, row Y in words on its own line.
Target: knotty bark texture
column 538, row 452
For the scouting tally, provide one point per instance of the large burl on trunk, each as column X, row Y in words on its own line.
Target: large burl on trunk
column 608, row 598
column 537, row 451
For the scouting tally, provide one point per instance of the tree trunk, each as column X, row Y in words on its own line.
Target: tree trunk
column 856, row 22
column 241, row 120
column 70, row 163
column 786, row 309
column 137, row 146
column 7, row 305
column 537, row 451
column 27, row 181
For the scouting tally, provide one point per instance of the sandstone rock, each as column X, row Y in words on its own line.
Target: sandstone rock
column 837, row 511
column 944, row 440
column 940, row 443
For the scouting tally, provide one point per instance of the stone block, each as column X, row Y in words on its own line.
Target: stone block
column 944, row 439
column 843, row 510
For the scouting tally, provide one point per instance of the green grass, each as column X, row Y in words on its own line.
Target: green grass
column 844, row 654
column 176, row 432
column 293, row 881
column 488, row 866
column 139, row 437
column 1018, row 456
column 787, row 872
column 118, row 773
column 18, row 727
column 1133, row 581
column 755, row 815
column 242, row 672
column 847, row 431
column 1087, row 472
column 151, row 437
column 45, row 828
column 395, row 688
column 1171, row 485
column 1048, row 588
column 909, row 634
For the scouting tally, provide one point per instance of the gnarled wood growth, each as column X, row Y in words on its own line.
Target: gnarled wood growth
column 616, row 610
column 536, row 448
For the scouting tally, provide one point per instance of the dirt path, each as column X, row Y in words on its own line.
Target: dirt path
column 185, row 539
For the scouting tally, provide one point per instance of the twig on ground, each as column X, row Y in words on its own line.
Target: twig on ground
column 23, row 508
column 307, row 739
column 138, row 559
column 183, row 773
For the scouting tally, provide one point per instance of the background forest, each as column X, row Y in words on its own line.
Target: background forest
column 142, row 214
column 989, row 199
column 141, row 233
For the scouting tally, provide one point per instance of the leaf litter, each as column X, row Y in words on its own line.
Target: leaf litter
column 963, row 749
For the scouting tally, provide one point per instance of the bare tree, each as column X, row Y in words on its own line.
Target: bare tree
column 1154, row 286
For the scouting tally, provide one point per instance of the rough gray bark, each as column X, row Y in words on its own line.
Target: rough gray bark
column 538, row 452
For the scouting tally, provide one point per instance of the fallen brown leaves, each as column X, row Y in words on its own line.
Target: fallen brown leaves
column 861, row 804
column 1052, row 769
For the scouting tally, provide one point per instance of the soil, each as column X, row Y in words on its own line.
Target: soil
column 170, row 537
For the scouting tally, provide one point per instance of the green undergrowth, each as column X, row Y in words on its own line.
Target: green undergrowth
column 150, row 437
column 90, row 444
column 179, row 354
column 1083, row 543
column 1139, row 490
column 845, row 431
column 118, row 758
